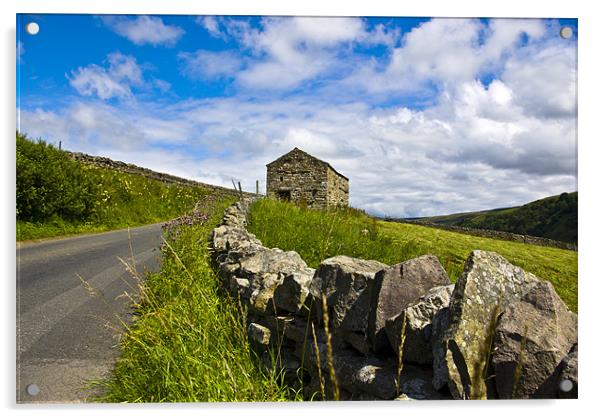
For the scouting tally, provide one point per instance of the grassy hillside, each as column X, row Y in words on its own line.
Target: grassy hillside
column 59, row 196
column 317, row 235
column 554, row 217
column 190, row 341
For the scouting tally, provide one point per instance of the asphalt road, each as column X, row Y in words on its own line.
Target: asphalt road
column 67, row 330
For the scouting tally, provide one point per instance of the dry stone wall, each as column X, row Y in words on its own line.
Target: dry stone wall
column 369, row 331
column 120, row 166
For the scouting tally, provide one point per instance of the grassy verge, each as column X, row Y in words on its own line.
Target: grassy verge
column 124, row 200
column 189, row 343
column 59, row 196
column 317, row 235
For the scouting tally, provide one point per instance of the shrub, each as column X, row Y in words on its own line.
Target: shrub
column 50, row 184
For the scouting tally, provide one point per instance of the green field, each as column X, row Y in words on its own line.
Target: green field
column 59, row 196
column 554, row 217
column 317, row 235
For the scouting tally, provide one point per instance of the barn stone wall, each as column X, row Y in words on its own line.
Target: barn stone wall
column 303, row 179
column 338, row 189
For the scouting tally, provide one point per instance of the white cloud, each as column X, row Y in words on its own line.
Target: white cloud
column 441, row 49
column 503, row 34
column 144, row 30
column 203, row 64
column 544, row 80
column 95, row 80
column 295, row 49
column 446, row 52
column 124, row 67
column 211, row 25
column 162, row 85
column 289, row 51
column 116, row 80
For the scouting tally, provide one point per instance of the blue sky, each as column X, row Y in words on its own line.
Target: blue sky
column 425, row 116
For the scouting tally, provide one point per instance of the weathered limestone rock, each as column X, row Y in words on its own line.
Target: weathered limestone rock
column 415, row 384
column 395, row 288
column 418, row 318
column 290, row 329
column 368, row 375
column 259, row 337
column 354, row 328
column 235, row 215
column 342, row 280
column 488, row 284
column 270, row 262
column 532, row 338
column 265, row 271
column 355, row 373
column 299, row 331
column 359, row 374
column 357, row 340
column 569, row 373
column 240, row 288
column 261, row 299
column 439, row 327
column 225, row 238
column 291, row 295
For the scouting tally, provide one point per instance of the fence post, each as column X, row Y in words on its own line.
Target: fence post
column 256, row 187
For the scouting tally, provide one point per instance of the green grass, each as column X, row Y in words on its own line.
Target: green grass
column 59, row 196
column 317, row 235
column 189, row 343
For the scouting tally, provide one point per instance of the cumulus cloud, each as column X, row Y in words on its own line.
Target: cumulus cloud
column 107, row 83
column 544, row 80
column 143, row 30
column 444, row 52
column 296, row 49
column 94, row 80
column 285, row 52
column 121, row 74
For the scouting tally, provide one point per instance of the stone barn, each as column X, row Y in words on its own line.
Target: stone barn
column 303, row 178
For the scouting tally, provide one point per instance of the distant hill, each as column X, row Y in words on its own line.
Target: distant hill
column 553, row 217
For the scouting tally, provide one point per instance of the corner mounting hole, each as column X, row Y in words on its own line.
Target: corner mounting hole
column 32, row 389
column 566, row 385
column 32, row 28
column 566, row 32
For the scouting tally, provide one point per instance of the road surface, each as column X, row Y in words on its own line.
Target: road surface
column 68, row 331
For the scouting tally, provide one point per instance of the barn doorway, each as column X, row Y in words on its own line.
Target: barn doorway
column 284, row 195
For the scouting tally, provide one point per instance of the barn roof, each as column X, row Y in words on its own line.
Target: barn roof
column 297, row 150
